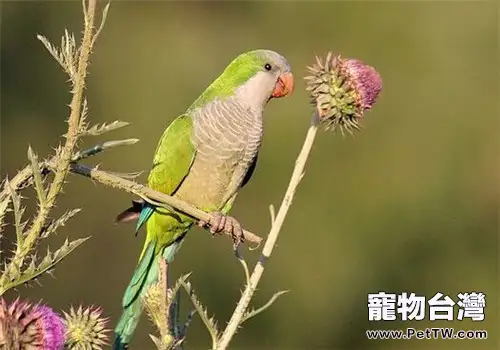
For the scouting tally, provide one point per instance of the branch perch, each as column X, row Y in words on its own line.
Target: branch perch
column 240, row 312
column 148, row 194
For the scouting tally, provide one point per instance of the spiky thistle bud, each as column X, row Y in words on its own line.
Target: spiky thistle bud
column 342, row 89
column 86, row 328
column 24, row 326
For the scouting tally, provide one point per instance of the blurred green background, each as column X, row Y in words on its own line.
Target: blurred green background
column 410, row 204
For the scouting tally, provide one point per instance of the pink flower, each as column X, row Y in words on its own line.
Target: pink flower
column 23, row 325
column 366, row 81
column 342, row 90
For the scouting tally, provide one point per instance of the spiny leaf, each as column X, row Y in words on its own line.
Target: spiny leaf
column 30, row 269
column 131, row 176
column 35, row 167
column 61, row 221
column 13, row 272
column 45, row 266
column 4, row 208
column 209, row 322
column 177, row 286
column 254, row 312
column 65, row 55
column 53, row 51
column 127, row 142
column 67, row 248
column 103, row 20
column 69, row 52
column 97, row 129
column 18, row 213
column 83, row 115
column 102, row 147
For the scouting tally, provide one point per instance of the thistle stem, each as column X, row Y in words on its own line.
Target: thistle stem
column 64, row 159
column 298, row 173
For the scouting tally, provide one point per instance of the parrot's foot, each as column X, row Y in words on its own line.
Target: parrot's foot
column 220, row 223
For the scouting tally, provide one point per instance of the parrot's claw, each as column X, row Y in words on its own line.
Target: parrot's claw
column 220, row 223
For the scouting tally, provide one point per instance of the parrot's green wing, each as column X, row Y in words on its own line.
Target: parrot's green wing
column 173, row 159
column 174, row 156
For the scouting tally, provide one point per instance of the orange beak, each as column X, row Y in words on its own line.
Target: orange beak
column 284, row 85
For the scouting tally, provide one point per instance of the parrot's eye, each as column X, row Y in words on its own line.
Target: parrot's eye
column 267, row 66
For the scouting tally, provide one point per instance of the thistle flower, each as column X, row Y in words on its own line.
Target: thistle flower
column 342, row 90
column 86, row 328
column 24, row 326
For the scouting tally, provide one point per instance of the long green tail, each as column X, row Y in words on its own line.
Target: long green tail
column 145, row 274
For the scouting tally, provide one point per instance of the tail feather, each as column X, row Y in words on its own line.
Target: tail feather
column 145, row 275
column 141, row 272
column 132, row 213
column 126, row 325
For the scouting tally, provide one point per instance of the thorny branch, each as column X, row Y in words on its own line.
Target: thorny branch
column 240, row 313
column 47, row 198
column 120, row 182
column 149, row 195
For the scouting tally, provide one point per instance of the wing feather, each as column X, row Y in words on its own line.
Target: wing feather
column 173, row 159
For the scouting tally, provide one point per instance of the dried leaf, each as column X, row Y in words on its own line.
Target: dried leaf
column 253, row 312
column 61, row 221
column 83, row 115
column 102, row 147
column 210, row 323
column 53, row 51
column 103, row 20
column 69, row 53
column 103, row 128
column 131, row 176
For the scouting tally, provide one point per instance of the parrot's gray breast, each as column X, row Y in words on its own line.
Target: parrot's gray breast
column 227, row 136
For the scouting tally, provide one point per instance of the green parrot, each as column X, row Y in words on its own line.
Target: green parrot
column 203, row 158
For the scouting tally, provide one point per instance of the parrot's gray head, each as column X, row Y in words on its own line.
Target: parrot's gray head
column 265, row 74
column 254, row 78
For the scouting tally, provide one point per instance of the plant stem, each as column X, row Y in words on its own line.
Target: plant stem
column 147, row 193
column 108, row 179
column 64, row 159
column 18, row 182
column 298, row 172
